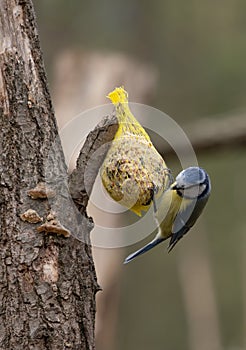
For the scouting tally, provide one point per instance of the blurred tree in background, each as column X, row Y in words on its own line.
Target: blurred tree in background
column 199, row 51
column 198, row 47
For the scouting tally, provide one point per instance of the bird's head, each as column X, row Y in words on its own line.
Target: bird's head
column 192, row 183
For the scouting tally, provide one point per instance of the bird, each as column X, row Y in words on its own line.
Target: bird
column 133, row 172
column 180, row 206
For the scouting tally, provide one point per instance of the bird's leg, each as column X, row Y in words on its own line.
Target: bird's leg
column 155, row 190
column 170, row 176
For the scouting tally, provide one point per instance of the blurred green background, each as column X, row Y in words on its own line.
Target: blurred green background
column 195, row 297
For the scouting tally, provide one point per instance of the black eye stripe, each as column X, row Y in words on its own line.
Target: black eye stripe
column 202, row 189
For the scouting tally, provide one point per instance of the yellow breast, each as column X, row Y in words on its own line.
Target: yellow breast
column 169, row 206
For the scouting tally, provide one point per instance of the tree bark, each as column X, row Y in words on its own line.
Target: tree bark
column 47, row 276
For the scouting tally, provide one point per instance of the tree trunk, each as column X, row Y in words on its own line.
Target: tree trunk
column 47, row 276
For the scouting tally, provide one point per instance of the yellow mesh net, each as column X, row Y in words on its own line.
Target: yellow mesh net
column 133, row 171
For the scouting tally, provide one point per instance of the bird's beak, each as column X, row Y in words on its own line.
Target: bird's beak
column 174, row 186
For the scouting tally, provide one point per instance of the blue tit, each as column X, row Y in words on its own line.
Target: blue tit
column 180, row 207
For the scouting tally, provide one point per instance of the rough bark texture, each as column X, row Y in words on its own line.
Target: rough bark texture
column 47, row 281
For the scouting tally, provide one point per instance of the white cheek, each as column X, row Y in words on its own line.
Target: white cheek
column 194, row 192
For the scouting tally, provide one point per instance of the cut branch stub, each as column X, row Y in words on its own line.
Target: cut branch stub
column 90, row 159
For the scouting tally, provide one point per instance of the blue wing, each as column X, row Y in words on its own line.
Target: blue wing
column 147, row 247
column 185, row 219
column 177, row 236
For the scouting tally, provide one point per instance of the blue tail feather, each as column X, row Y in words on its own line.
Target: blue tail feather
column 143, row 250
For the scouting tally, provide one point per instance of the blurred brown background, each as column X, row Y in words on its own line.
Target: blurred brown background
column 188, row 60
